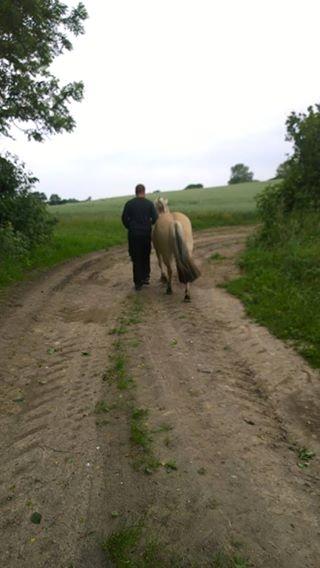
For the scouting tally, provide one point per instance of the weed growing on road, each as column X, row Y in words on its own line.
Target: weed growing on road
column 131, row 546
column 305, row 456
column 117, row 372
column 162, row 428
column 102, row 422
column 134, row 343
column 223, row 560
column 119, row 545
column 134, row 317
column 139, row 432
column 141, row 437
column 120, row 330
column 217, row 257
column 170, row 466
column 167, row 441
column 101, row 406
column 124, row 548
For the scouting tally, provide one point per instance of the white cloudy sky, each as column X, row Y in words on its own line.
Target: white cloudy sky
column 177, row 91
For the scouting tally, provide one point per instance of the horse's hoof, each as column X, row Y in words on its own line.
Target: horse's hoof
column 187, row 298
column 169, row 291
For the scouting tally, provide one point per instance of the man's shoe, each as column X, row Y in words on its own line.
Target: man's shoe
column 138, row 287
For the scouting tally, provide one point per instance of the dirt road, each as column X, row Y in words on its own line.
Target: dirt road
column 223, row 409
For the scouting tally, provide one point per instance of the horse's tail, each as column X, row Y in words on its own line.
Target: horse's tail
column 187, row 270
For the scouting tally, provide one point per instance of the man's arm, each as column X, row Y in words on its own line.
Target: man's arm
column 154, row 214
column 125, row 216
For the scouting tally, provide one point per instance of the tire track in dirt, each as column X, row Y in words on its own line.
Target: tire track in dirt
column 52, row 368
column 250, row 470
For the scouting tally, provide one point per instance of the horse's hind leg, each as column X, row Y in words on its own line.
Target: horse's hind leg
column 163, row 277
column 187, row 297
column 169, row 287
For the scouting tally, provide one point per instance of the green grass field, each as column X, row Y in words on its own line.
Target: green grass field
column 95, row 225
column 240, row 197
column 83, row 227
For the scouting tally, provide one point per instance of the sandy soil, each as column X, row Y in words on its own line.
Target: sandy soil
column 235, row 402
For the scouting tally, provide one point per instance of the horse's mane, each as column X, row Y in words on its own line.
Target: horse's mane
column 162, row 205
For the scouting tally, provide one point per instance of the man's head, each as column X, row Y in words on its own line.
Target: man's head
column 140, row 190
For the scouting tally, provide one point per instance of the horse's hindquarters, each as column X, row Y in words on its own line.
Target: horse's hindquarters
column 186, row 229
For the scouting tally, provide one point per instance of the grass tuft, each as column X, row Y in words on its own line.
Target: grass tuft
column 217, row 257
column 305, row 456
column 140, row 435
column 128, row 547
column 101, row 406
column 223, row 560
column 121, row 544
column 170, row 466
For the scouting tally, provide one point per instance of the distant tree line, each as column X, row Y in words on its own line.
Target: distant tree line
column 55, row 199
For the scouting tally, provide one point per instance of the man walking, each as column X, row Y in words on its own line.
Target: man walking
column 139, row 214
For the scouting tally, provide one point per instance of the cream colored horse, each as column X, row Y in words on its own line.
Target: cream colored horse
column 172, row 240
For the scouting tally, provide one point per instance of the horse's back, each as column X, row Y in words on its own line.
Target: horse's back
column 182, row 218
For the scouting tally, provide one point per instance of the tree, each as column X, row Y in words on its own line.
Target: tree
column 298, row 191
column 32, row 34
column 301, row 186
column 194, row 186
column 239, row 174
column 13, row 176
column 40, row 195
column 54, row 199
column 282, row 170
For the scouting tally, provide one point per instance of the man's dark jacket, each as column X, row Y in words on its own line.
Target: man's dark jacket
column 138, row 216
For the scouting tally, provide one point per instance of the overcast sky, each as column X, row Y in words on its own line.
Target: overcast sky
column 177, row 91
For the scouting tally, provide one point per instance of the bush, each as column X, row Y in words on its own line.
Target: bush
column 23, row 214
column 13, row 245
column 27, row 215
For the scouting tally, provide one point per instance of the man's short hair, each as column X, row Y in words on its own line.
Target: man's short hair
column 140, row 189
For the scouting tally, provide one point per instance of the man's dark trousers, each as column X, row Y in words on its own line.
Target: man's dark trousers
column 139, row 250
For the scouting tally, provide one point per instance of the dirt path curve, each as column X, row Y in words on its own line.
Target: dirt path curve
column 229, row 407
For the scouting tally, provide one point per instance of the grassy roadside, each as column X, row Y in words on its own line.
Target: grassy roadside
column 71, row 238
column 280, row 287
column 86, row 227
